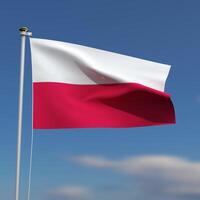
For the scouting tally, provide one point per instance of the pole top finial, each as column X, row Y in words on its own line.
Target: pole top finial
column 24, row 31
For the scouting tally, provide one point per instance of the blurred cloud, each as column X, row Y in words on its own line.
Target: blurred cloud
column 157, row 176
column 70, row 192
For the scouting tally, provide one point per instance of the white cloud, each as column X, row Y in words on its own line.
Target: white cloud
column 163, row 175
column 93, row 161
column 71, row 192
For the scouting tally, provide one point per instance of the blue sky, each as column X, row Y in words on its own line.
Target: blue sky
column 135, row 163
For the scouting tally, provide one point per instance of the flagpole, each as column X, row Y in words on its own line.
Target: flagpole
column 23, row 32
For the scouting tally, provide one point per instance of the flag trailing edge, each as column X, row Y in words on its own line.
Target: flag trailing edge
column 76, row 86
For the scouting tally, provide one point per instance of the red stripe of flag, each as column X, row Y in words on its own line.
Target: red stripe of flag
column 61, row 105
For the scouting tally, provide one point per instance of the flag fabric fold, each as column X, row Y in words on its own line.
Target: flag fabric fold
column 81, row 87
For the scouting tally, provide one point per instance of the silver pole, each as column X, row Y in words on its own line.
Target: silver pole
column 23, row 32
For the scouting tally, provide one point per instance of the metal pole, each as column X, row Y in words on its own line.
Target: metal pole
column 23, row 32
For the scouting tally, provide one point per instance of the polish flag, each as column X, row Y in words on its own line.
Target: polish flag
column 76, row 86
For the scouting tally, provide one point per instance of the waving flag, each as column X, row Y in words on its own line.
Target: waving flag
column 81, row 87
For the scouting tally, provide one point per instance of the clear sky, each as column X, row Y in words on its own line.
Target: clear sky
column 152, row 163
